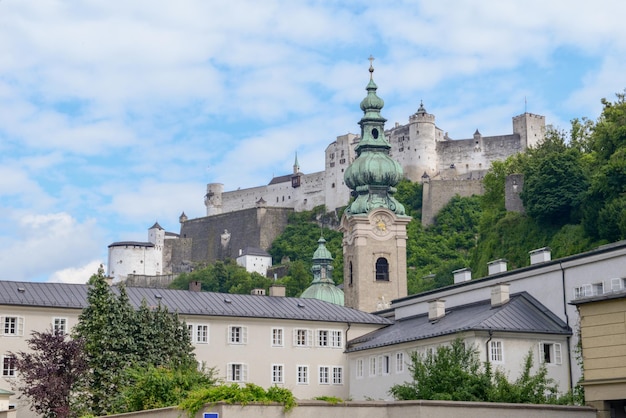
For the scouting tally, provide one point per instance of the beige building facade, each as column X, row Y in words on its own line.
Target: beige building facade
column 603, row 343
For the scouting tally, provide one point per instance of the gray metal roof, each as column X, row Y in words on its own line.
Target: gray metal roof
column 185, row 302
column 254, row 251
column 523, row 313
column 131, row 244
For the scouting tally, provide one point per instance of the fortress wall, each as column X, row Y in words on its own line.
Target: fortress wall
column 242, row 198
column 437, row 193
column 468, row 155
column 204, row 239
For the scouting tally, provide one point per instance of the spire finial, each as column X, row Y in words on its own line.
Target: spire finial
column 371, row 60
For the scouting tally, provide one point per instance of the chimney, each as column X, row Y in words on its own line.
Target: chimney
column 258, row 292
column 499, row 294
column 497, row 266
column 540, row 255
column 195, row 286
column 436, row 309
column 278, row 290
column 462, row 275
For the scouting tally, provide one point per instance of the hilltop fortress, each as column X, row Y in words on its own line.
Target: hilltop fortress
column 428, row 155
column 245, row 220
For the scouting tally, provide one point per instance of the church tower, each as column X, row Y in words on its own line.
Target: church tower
column 374, row 224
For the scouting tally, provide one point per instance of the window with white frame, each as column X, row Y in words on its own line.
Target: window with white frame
column 336, row 339
column 598, row 288
column 59, row 325
column 278, row 373
column 12, row 325
column 202, row 334
column 384, row 364
column 372, row 366
column 302, row 337
column 582, row 291
column 400, row 362
column 337, row 375
column 277, row 337
column 190, row 332
column 237, row 372
column 303, row 375
column 550, row 353
column 8, row 366
column 237, row 334
column 359, row 368
column 324, row 375
column 322, row 337
column 496, row 354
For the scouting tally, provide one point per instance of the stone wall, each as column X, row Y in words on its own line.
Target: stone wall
column 514, row 184
column 370, row 409
column 437, row 193
column 211, row 238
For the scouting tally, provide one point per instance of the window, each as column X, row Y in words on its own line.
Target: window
column 237, row 372
column 12, row 325
column 277, row 373
column 550, row 353
column 8, row 366
column 382, row 269
column 303, row 375
column 324, row 375
column 495, row 352
column 400, row 362
column 302, row 337
column 337, row 375
column 322, row 338
column 384, row 364
column 582, row 291
column 336, row 339
column 359, row 368
column 372, row 366
column 237, row 334
column 59, row 325
column 277, row 337
column 202, row 334
column 190, row 332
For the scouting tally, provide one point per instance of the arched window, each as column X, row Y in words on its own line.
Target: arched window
column 382, row 269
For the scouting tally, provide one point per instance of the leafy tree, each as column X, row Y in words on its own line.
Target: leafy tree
column 299, row 277
column 50, row 371
column 107, row 327
column 454, row 373
column 410, row 195
column 117, row 339
column 451, row 373
column 158, row 387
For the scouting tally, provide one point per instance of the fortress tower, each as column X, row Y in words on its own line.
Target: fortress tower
column 374, row 225
column 213, row 198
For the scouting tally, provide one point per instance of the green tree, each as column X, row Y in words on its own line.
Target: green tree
column 454, row 373
column 107, row 326
column 158, row 387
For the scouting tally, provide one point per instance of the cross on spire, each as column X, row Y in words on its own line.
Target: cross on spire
column 371, row 60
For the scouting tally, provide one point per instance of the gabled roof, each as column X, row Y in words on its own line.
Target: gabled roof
column 523, row 313
column 63, row 295
column 281, row 179
column 254, row 251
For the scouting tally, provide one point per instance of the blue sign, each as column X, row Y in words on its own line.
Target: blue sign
column 211, row 415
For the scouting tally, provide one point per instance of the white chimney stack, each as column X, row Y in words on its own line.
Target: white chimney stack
column 436, row 309
column 499, row 294
column 462, row 275
column 540, row 255
column 497, row 266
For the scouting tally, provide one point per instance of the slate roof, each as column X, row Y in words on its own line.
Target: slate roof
column 281, row 179
column 131, row 244
column 523, row 313
column 185, row 302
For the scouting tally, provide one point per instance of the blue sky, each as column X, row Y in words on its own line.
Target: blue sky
column 114, row 115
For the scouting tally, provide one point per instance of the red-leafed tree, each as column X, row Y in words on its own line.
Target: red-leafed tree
column 49, row 371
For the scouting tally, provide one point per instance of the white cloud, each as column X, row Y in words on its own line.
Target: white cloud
column 78, row 275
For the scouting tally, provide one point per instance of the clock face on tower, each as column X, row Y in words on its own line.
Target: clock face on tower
column 381, row 225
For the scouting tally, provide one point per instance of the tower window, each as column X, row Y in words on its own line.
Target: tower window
column 351, row 275
column 375, row 133
column 382, row 269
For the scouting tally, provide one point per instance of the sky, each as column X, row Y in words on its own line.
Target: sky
column 116, row 114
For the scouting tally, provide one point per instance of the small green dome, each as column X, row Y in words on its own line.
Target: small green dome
column 326, row 291
column 372, row 102
column 373, row 168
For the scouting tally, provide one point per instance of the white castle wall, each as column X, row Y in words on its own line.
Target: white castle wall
column 420, row 147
